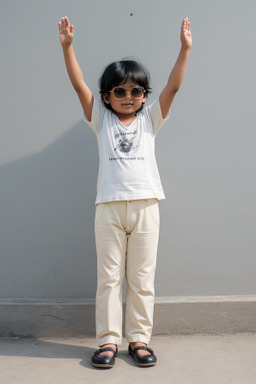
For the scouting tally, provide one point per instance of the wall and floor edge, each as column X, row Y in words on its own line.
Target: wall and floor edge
column 173, row 316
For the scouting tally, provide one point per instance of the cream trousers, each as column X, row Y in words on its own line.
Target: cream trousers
column 126, row 234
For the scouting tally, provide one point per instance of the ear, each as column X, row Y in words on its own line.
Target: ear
column 144, row 98
column 106, row 98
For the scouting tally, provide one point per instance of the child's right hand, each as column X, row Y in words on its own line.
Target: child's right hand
column 66, row 32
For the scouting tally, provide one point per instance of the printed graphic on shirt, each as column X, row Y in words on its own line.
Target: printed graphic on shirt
column 127, row 145
column 127, row 142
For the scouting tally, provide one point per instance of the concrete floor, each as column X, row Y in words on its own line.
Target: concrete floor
column 181, row 360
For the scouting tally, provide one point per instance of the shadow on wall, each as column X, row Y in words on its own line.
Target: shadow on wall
column 47, row 219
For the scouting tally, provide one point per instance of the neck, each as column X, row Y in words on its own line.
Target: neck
column 126, row 118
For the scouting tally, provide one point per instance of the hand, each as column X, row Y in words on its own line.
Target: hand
column 185, row 34
column 66, row 32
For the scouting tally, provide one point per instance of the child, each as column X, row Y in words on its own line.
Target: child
column 128, row 190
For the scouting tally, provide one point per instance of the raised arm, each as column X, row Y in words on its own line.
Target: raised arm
column 178, row 71
column 66, row 35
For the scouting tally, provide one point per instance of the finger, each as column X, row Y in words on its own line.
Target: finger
column 62, row 27
column 189, row 26
column 59, row 24
column 66, row 21
column 71, row 28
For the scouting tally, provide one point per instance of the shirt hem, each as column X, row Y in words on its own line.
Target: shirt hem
column 128, row 198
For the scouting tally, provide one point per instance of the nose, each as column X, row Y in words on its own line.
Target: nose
column 128, row 95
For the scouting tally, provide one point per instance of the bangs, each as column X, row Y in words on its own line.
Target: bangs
column 119, row 72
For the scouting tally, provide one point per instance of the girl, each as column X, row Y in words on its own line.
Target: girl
column 128, row 190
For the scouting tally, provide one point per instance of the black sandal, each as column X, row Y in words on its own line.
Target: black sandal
column 143, row 361
column 104, row 361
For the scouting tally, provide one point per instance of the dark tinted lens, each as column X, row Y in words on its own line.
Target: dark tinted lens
column 119, row 93
column 137, row 92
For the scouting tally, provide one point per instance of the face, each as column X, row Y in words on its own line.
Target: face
column 128, row 105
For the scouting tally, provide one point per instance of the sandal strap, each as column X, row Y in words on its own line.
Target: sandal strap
column 144, row 349
column 105, row 350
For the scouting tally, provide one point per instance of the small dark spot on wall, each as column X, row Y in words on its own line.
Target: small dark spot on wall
column 131, row 14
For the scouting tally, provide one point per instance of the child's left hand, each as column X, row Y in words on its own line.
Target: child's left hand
column 185, row 34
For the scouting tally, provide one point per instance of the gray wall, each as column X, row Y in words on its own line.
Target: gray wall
column 206, row 152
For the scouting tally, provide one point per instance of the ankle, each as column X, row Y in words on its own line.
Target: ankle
column 137, row 344
column 114, row 346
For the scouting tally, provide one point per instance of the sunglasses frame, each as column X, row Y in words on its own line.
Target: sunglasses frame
column 128, row 90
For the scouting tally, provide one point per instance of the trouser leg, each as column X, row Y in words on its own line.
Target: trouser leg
column 111, row 243
column 140, row 272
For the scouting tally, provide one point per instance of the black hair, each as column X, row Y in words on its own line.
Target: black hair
column 118, row 72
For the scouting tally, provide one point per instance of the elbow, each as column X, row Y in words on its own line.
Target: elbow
column 77, row 87
column 175, row 89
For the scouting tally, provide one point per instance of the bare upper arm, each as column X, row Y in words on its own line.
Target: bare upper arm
column 86, row 99
column 165, row 100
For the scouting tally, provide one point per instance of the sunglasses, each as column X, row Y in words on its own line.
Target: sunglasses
column 120, row 92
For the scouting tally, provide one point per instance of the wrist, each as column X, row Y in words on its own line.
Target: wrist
column 66, row 45
column 185, row 48
column 184, row 51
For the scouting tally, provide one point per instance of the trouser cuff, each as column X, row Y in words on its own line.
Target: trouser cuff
column 109, row 340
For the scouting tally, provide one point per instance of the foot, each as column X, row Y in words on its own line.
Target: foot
column 108, row 353
column 140, row 352
column 143, row 356
column 105, row 356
